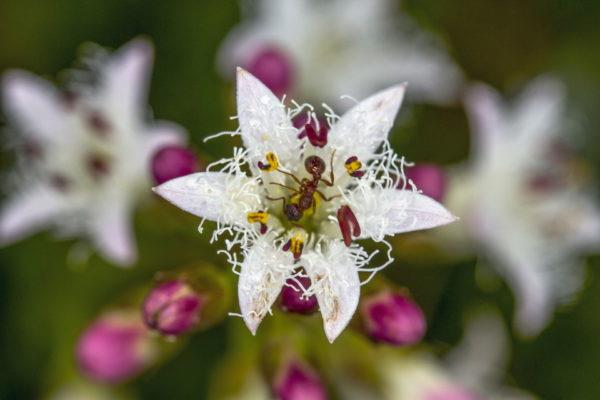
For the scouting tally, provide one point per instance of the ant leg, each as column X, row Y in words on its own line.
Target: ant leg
column 284, row 186
column 276, row 199
column 328, row 198
column 331, row 180
column 291, row 175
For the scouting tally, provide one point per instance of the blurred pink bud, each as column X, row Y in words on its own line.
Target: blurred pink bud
column 429, row 178
column 172, row 308
column 292, row 299
column 114, row 348
column 393, row 318
column 273, row 68
column 171, row 162
column 451, row 393
column 298, row 382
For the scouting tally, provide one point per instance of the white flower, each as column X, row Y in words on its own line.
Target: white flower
column 522, row 201
column 342, row 46
column 312, row 234
column 84, row 154
column 473, row 370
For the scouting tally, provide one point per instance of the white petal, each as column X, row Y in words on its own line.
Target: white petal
column 336, row 284
column 486, row 113
column 35, row 105
column 382, row 212
column 263, row 120
column 216, row 196
column 111, row 232
column 30, row 211
column 539, row 111
column 264, row 271
column 125, row 80
column 163, row 134
column 361, row 130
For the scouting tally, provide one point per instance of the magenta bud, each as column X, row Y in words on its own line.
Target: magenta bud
column 273, row 68
column 393, row 318
column 114, row 348
column 171, row 162
column 428, row 178
column 172, row 308
column 293, row 299
column 298, row 382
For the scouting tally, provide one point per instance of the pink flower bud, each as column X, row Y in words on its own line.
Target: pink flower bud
column 114, row 348
column 293, row 299
column 172, row 308
column 298, row 382
column 393, row 318
column 428, row 178
column 273, row 68
column 171, row 162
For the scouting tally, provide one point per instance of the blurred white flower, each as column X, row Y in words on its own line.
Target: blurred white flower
column 310, row 191
column 83, row 154
column 521, row 199
column 474, row 370
column 320, row 49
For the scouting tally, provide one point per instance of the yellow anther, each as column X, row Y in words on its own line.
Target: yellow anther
column 257, row 216
column 272, row 163
column 353, row 166
column 297, row 243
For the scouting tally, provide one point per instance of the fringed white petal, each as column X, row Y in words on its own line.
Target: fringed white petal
column 382, row 212
column 35, row 106
column 125, row 81
column 485, row 110
column 264, row 122
column 539, row 111
column 333, row 272
column 263, row 272
column 216, row 196
column 111, row 231
column 361, row 130
column 30, row 211
column 163, row 134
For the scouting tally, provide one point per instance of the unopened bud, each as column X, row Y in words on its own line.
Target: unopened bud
column 393, row 318
column 430, row 179
column 273, row 68
column 172, row 308
column 293, row 298
column 299, row 382
column 171, row 162
column 115, row 347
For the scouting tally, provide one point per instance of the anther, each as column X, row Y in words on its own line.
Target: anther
column 317, row 139
column 98, row 166
column 261, row 217
column 353, row 166
column 348, row 224
column 295, row 245
column 98, row 123
column 272, row 163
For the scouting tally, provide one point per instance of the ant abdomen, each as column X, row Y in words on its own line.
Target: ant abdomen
column 292, row 212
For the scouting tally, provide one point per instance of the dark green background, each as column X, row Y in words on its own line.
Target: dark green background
column 44, row 302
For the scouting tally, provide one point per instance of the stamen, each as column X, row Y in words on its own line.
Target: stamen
column 272, row 163
column 98, row 166
column 316, row 139
column 348, row 224
column 99, row 123
column 353, row 166
column 295, row 244
column 261, row 217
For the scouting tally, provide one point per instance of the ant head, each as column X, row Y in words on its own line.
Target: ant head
column 292, row 212
column 314, row 165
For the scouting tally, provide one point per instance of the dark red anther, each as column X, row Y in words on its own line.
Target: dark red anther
column 357, row 174
column 263, row 229
column 98, row 166
column 99, row 123
column 287, row 245
column 317, row 139
column 348, row 224
column 262, row 165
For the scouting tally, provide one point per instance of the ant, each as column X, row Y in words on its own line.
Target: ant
column 315, row 166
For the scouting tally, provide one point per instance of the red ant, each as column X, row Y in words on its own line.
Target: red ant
column 315, row 166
